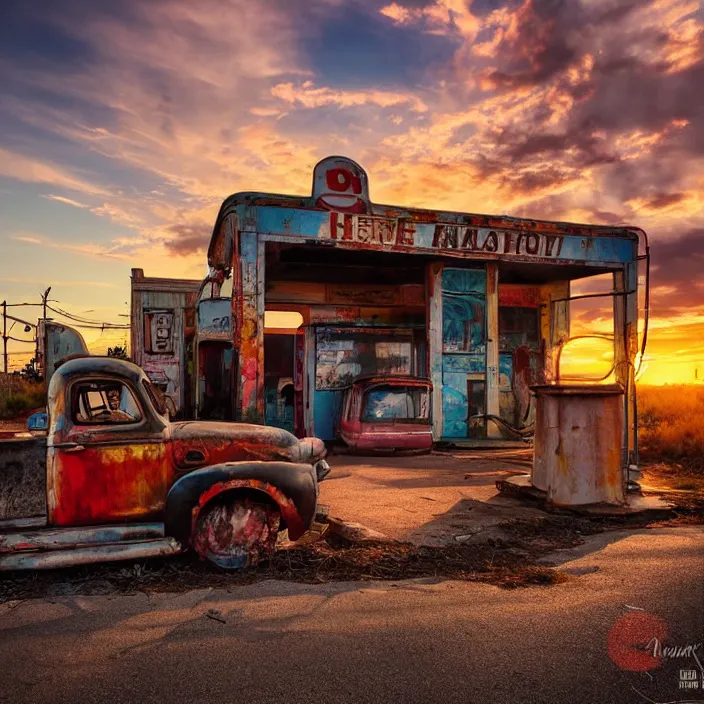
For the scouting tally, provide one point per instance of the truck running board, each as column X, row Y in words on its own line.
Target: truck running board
column 110, row 552
column 78, row 537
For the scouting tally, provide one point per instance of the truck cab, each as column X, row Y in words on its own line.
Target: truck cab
column 114, row 478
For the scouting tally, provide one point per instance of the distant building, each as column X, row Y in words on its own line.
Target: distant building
column 162, row 315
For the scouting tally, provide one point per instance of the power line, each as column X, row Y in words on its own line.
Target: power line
column 87, row 322
column 17, row 339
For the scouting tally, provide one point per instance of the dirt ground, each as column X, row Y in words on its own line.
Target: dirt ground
column 427, row 499
column 443, row 509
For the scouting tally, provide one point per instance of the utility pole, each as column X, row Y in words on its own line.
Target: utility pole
column 4, row 334
column 45, row 296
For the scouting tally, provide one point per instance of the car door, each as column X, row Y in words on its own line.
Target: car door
column 110, row 464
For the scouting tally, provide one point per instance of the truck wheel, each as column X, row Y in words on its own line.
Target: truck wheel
column 235, row 532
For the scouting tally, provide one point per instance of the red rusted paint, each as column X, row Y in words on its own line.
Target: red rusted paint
column 294, row 523
column 231, row 442
column 120, row 470
column 103, row 474
column 106, row 483
column 519, row 296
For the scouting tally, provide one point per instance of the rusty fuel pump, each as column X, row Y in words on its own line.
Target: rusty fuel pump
column 586, row 428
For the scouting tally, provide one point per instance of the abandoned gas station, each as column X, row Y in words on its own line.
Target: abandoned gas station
column 454, row 321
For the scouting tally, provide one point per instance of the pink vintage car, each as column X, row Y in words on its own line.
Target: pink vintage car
column 387, row 413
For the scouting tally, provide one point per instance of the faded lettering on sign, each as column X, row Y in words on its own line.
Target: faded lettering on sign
column 475, row 239
column 372, row 231
column 346, row 227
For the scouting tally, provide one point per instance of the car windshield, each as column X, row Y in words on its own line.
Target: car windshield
column 388, row 403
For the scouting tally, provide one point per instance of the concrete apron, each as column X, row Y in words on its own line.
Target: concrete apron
column 437, row 499
column 446, row 497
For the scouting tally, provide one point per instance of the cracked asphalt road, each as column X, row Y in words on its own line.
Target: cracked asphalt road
column 408, row 641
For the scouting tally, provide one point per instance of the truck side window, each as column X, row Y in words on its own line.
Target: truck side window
column 104, row 403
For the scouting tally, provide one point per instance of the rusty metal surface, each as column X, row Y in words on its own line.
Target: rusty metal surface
column 64, row 538
column 122, row 473
column 294, row 522
column 89, row 555
column 104, row 473
column 160, row 313
column 55, row 343
column 340, row 213
column 231, row 442
column 248, row 327
column 234, row 534
column 577, row 450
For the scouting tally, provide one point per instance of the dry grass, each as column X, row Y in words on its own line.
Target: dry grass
column 671, row 421
column 18, row 395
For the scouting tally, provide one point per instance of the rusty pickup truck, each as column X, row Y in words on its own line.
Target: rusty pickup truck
column 112, row 478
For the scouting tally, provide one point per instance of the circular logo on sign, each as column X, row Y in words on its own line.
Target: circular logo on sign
column 340, row 184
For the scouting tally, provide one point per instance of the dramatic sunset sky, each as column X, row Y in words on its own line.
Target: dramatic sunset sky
column 123, row 125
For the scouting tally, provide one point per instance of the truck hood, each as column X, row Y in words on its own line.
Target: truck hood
column 201, row 443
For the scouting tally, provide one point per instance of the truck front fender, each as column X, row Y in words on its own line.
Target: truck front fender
column 292, row 486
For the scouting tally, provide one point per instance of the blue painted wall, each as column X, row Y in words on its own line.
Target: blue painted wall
column 326, row 410
column 463, row 343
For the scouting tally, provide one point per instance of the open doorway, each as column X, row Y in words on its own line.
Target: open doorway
column 283, row 386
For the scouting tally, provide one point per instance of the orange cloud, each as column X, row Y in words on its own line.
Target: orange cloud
column 24, row 168
column 440, row 17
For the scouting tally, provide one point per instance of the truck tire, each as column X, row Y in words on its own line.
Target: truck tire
column 234, row 531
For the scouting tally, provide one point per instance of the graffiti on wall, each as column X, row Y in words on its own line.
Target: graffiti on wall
column 464, row 348
column 214, row 319
column 165, row 374
column 463, row 310
column 343, row 357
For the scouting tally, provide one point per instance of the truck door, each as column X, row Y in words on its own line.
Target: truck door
column 110, row 464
